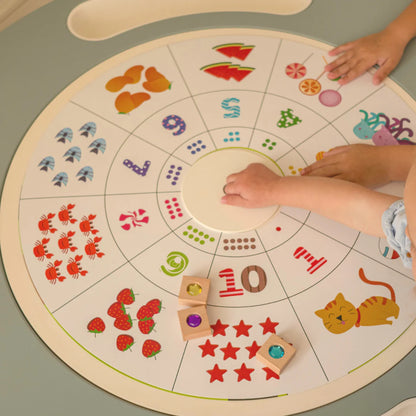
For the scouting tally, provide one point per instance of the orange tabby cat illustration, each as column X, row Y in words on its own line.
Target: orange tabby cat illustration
column 340, row 315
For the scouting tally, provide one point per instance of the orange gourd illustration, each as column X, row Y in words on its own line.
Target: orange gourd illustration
column 135, row 73
column 117, row 83
column 156, row 82
column 126, row 102
column 131, row 76
column 139, row 98
column 152, row 74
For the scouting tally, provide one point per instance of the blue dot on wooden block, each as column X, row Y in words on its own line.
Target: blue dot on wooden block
column 276, row 351
column 194, row 320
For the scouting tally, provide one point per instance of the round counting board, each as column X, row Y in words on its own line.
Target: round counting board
column 98, row 235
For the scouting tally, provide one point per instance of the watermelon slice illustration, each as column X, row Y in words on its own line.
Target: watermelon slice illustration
column 227, row 70
column 234, row 50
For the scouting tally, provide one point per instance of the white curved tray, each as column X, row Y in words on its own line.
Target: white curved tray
column 103, row 19
column 405, row 408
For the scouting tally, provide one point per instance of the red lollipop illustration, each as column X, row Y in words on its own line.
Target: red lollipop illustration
column 295, row 70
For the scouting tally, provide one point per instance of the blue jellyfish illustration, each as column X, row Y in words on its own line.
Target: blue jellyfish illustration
column 85, row 173
column 97, row 145
column 47, row 163
column 72, row 154
column 60, row 179
column 64, row 135
column 88, row 128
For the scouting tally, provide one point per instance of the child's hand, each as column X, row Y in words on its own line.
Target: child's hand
column 359, row 163
column 254, row 187
column 383, row 48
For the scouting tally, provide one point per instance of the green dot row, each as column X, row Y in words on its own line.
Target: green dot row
column 197, row 233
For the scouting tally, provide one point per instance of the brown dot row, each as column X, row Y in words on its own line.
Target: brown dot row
column 239, row 240
column 239, row 245
column 245, row 247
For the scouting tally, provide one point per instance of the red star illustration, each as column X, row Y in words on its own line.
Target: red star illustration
column 219, row 328
column 230, row 351
column 242, row 329
column 216, row 374
column 244, row 373
column 208, row 348
column 253, row 349
column 270, row 373
column 269, row 326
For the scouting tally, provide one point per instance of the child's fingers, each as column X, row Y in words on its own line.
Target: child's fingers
column 336, row 63
column 341, row 48
column 229, row 188
column 340, row 71
column 317, row 169
column 328, row 159
column 328, row 166
column 235, row 200
column 355, row 72
column 234, row 176
column 336, row 150
column 231, row 178
column 348, row 68
column 384, row 70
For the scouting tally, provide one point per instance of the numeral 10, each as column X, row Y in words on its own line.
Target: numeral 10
column 231, row 290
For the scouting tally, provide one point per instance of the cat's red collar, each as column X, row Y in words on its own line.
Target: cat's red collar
column 357, row 323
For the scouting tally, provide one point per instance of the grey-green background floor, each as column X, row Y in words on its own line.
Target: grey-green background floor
column 38, row 58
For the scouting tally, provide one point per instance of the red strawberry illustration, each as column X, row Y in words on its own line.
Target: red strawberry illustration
column 124, row 342
column 144, row 313
column 146, row 327
column 116, row 310
column 96, row 326
column 124, row 322
column 155, row 305
column 151, row 348
column 126, row 296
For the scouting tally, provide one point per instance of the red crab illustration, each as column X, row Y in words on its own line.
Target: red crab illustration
column 41, row 250
column 86, row 225
column 74, row 267
column 65, row 242
column 52, row 272
column 92, row 248
column 45, row 224
column 65, row 214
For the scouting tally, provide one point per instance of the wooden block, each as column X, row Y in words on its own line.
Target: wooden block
column 194, row 322
column 193, row 291
column 275, row 353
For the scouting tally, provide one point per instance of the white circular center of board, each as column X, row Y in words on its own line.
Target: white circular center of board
column 203, row 185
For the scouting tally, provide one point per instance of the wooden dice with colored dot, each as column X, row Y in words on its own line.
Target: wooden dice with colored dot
column 194, row 322
column 193, row 291
column 275, row 353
